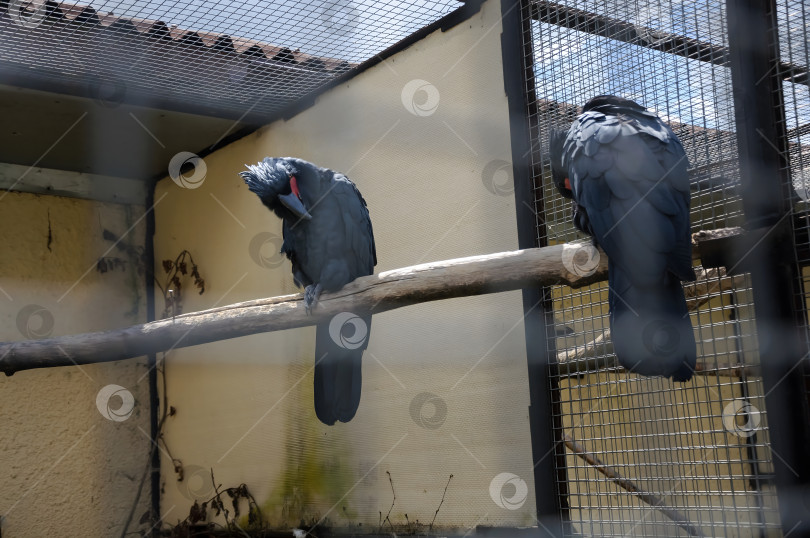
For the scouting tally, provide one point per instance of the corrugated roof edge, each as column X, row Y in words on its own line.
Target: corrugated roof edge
column 87, row 17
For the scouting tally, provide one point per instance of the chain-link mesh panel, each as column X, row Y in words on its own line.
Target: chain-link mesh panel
column 794, row 49
column 227, row 58
column 646, row 456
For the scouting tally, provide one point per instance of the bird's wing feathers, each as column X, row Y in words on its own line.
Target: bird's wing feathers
column 288, row 247
column 629, row 173
column 357, row 225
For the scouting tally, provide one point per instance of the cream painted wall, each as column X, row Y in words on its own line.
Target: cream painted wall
column 68, row 470
column 244, row 406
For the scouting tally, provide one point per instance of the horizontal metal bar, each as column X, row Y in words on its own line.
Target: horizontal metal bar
column 619, row 30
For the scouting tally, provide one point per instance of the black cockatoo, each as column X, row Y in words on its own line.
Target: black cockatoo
column 329, row 240
column 627, row 174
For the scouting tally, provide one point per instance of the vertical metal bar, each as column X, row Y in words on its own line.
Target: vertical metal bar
column 755, row 482
column 770, row 256
column 546, row 450
column 151, row 362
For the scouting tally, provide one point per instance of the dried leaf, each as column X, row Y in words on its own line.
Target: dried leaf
column 196, row 513
column 178, row 468
column 253, row 516
column 167, row 265
column 145, row 518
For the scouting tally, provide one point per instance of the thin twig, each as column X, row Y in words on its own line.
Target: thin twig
column 394, row 500
column 430, row 528
column 219, row 499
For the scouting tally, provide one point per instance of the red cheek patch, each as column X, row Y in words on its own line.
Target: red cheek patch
column 294, row 186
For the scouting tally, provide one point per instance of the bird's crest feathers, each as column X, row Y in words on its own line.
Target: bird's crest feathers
column 267, row 178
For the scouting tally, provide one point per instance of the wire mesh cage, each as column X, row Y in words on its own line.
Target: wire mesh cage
column 636, row 456
column 645, row 456
column 233, row 59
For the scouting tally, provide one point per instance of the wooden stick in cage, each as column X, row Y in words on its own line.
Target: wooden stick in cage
column 475, row 275
column 628, row 485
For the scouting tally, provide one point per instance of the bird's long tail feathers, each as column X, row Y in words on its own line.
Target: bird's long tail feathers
column 650, row 328
column 338, row 373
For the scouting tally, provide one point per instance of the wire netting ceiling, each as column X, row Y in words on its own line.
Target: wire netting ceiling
column 227, row 58
column 645, row 456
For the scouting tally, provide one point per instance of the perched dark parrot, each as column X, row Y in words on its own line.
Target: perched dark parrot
column 329, row 240
column 627, row 174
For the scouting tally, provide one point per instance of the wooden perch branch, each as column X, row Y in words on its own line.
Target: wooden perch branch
column 373, row 294
column 628, row 485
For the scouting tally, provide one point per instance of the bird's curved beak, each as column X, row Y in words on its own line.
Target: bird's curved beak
column 294, row 204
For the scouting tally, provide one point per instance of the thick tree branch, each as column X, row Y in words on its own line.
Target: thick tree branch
column 373, row 294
